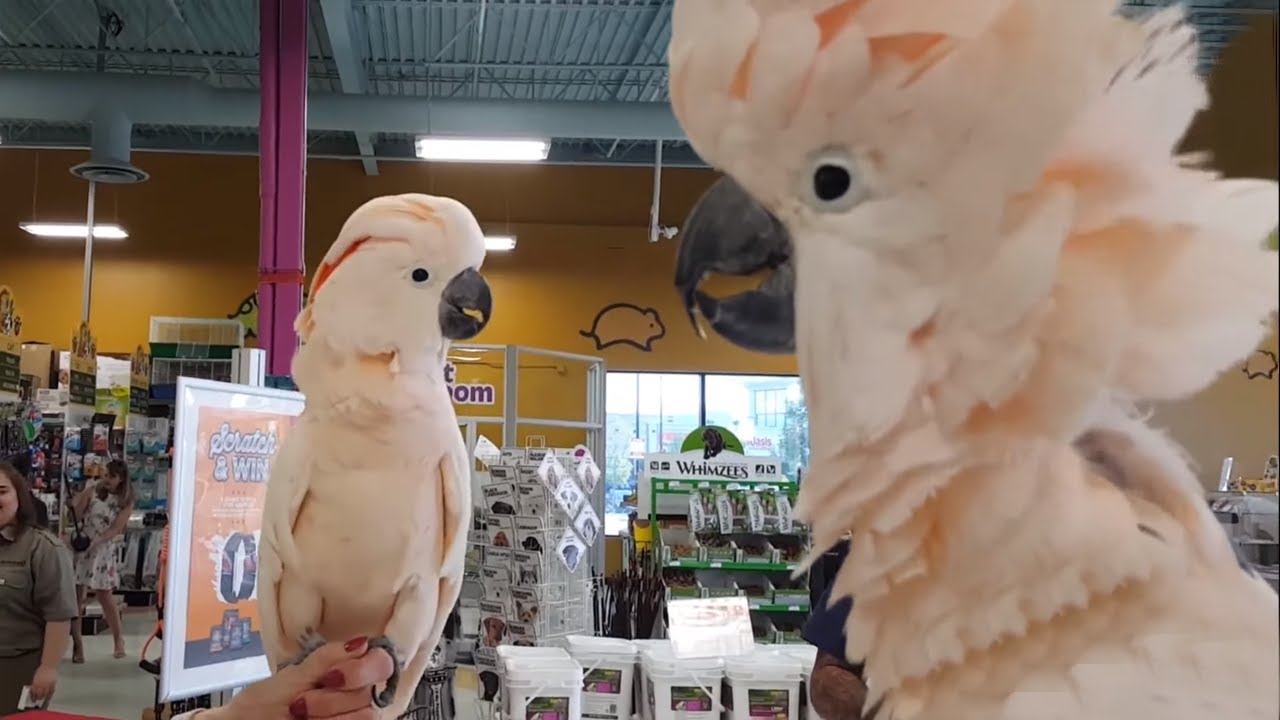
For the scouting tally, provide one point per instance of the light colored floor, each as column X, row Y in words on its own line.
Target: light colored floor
column 120, row 690
column 103, row 686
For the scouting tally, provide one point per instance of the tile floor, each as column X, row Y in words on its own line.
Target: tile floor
column 120, row 690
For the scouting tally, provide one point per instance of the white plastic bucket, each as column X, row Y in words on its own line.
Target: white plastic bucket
column 643, row 646
column 540, row 684
column 682, row 688
column 806, row 655
column 608, row 676
column 765, row 686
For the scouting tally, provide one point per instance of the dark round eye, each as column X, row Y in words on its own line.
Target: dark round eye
column 831, row 182
column 420, row 275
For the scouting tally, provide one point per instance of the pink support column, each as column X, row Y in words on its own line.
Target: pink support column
column 283, row 154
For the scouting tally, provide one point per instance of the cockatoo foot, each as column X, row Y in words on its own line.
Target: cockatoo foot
column 309, row 643
column 388, row 695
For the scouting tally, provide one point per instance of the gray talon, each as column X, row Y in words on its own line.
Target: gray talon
column 309, row 643
column 388, row 695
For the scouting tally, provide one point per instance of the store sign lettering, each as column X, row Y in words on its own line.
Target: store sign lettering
column 691, row 468
column 242, row 457
column 468, row 393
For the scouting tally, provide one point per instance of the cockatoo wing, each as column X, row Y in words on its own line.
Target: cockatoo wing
column 456, row 483
column 286, row 492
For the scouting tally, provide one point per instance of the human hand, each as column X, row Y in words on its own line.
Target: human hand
column 336, row 682
column 44, row 683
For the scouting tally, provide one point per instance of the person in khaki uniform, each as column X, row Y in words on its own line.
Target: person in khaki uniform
column 37, row 597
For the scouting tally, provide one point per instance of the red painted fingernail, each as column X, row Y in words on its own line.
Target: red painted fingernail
column 355, row 644
column 298, row 709
column 333, row 679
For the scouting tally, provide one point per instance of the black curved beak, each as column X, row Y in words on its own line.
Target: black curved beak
column 465, row 306
column 730, row 233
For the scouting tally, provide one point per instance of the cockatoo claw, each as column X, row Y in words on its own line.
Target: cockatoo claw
column 388, row 695
column 308, row 643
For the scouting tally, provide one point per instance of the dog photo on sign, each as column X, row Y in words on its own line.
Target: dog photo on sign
column 571, row 550
column 569, row 496
column 588, row 525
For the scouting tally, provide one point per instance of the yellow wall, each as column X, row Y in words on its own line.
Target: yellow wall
column 582, row 246
column 192, row 250
column 1236, row 416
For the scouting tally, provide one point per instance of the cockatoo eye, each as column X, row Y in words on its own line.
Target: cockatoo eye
column 833, row 185
column 831, row 182
column 420, row 276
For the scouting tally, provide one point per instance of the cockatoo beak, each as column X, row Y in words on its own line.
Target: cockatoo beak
column 465, row 306
column 730, row 233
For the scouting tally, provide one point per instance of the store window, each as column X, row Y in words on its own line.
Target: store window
column 645, row 413
column 654, row 412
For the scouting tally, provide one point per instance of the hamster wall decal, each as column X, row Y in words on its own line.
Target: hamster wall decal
column 626, row 324
column 1262, row 365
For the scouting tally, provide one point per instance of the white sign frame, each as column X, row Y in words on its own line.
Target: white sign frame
column 178, row 682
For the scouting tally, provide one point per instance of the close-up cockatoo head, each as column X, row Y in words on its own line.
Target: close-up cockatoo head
column 401, row 281
column 938, row 188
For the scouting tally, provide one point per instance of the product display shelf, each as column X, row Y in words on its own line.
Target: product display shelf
column 752, row 564
column 529, row 553
column 190, row 347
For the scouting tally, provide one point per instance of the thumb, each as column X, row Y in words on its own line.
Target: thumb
column 319, row 663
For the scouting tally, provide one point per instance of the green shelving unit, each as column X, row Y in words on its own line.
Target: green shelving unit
column 785, row 608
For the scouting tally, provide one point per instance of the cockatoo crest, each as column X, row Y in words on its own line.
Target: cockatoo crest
column 396, row 261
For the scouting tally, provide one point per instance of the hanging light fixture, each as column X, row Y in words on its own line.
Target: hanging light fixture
column 74, row 231
column 496, row 150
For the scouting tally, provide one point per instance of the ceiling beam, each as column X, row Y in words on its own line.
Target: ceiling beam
column 157, row 100
column 351, row 75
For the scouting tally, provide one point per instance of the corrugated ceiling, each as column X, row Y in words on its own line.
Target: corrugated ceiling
column 549, row 50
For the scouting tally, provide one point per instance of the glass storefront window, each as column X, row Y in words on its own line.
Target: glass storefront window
column 654, row 412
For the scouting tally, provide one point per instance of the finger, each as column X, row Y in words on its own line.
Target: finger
column 320, row 662
column 330, row 703
column 371, row 669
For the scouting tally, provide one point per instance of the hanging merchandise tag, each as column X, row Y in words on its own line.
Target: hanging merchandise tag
column 588, row 473
column 785, row 524
column 755, row 513
column 697, row 515
column 711, row 627
column 724, row 509
column 486, row 452
column 581, row 452
column 571, row 550
column 550, row 471
column 570, row 497
column 588, row 525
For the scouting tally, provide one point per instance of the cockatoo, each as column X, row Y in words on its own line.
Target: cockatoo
column 369, row 502
column 986, row 249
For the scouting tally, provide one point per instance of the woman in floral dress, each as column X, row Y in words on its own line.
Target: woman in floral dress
column 103, row 507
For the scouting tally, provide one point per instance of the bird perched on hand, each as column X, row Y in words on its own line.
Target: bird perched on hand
column 368, row 507
column 986, row 248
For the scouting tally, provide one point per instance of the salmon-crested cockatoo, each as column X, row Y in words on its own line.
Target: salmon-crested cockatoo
column 369, row 502
column 986, row 249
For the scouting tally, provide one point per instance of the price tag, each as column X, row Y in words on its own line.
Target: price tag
column 711, row 627
column 717, row 565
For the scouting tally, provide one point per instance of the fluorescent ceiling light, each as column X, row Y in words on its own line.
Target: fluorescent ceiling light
column 74, row 230
column 455, row 149
column 499, row 243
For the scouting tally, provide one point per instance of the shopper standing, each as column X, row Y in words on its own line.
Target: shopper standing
column 837, row 687
column 103, row 508
column 37, row 597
